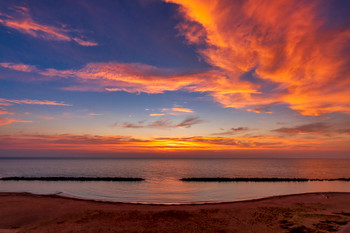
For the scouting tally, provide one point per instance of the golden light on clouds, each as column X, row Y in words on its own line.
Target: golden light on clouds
column 282, row 41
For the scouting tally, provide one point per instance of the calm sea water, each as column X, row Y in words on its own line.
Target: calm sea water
column 162, row 176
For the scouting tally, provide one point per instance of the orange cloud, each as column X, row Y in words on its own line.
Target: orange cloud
column 176, row 111
column 7, row 121
column 24, row 23
column 283, row 42
column 182, row 110
column 156, row 114
column 133, row 78
column 137, row 78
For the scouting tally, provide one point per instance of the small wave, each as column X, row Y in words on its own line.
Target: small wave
column 243, row 179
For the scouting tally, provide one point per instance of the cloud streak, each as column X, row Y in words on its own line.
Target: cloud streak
column 189, row 121
column 178, row 109
column 232, row 131
column 3, row 111
column 24, row 23
column 7, row 121
column 163, row 123
column 29, row 101
column 137, row 78
column 8, row 102
column 19, row 67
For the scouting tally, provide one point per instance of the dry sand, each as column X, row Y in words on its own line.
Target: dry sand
column 316, row 212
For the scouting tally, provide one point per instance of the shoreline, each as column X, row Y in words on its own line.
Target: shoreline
column 322, row 211
column 58, row 195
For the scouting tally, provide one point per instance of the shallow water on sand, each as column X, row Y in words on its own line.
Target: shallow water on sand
column 162, row 184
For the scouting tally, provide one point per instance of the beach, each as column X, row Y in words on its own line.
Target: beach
column 311, row 212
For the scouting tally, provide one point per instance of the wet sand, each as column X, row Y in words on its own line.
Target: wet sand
column 314, row 212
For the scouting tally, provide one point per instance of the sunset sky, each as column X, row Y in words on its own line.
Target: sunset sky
column 175, row 78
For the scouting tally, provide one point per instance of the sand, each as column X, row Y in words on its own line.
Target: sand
column 315, row 212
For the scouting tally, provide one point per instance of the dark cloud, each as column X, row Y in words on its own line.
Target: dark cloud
column 162, row 122
column 344, row 131
column 131, row 125
column 232, row 131
column 189, row 121
column 313, row 128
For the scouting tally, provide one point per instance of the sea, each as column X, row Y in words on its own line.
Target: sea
column 162, row 182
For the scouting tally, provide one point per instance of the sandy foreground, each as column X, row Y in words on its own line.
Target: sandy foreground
column 316, row 212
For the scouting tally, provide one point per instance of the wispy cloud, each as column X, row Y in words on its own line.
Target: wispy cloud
column 131, row 125
column 344, row 131
column 19, row 67
column 3, row 111
column 317, row 128
column 22, row 21
column 84, row 42
column 263, row 109
column 137, row 78
column 95, row 114
column 156, row 114
column 189, row 121
column 7, row 121
column 162, row 123
column 29, row 101
column 46, row 117
column 8, row 102
column 232, row 131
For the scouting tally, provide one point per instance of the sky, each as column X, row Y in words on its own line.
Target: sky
column 175, row 78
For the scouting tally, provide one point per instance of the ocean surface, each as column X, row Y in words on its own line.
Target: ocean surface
column 162, row 184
